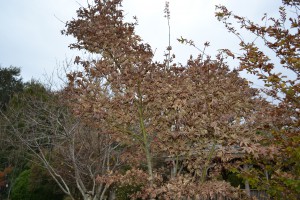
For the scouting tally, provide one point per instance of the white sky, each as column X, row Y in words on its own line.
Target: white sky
column 30, row 30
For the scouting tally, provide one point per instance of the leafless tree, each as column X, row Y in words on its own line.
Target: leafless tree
column 70, row 150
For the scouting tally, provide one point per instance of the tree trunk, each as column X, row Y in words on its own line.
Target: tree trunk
column 247, row 186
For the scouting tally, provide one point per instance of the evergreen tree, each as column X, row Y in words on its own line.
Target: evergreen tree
column 10, row 83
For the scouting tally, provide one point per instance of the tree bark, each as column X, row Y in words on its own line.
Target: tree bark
column 247, row 186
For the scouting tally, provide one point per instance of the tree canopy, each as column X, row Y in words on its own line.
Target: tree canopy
column 10, row 83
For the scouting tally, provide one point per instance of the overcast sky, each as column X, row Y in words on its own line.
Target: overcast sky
column 30, row 29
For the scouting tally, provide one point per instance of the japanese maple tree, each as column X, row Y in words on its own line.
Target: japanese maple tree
column 184, row 122
column 280, row 74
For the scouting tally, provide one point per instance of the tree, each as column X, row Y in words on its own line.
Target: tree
column 186, row 116
column 10, row 84
column 279, row 173
column 73, row 153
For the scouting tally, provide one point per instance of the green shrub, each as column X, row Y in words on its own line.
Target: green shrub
column 25, row 188
column 20, row 188
column 124, row 192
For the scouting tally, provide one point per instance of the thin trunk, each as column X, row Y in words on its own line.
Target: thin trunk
column 149, row 162
column 175, row 170
column 206, row 166
column 112, row 195
column 146, row 142
column 267, row 175
column 103, row 192
column 247, row 186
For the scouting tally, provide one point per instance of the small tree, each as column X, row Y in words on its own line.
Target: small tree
column 73, row 153
column 188, row 116
column 280, row 74
column 10, row 83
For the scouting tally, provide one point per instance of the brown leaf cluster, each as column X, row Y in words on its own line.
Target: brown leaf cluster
column 183, row 122
column 279, row 147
